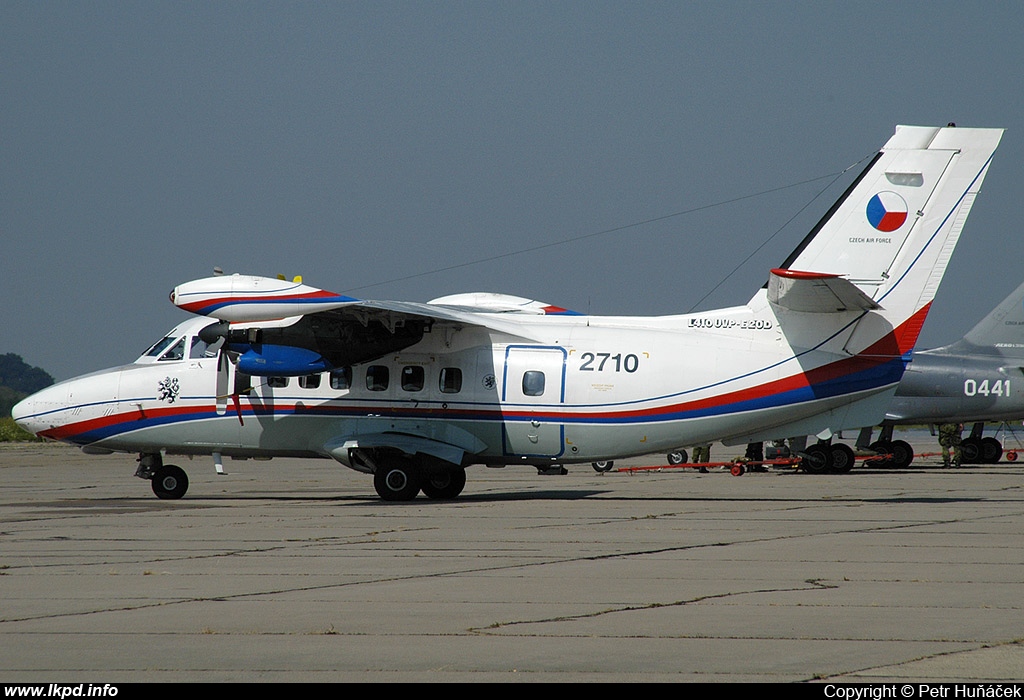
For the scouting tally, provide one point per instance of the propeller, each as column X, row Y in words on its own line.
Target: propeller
column 216, row 335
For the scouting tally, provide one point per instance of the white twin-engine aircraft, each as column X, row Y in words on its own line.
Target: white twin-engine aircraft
column 414, row 393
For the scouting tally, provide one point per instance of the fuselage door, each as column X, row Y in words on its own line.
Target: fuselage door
column 532, row 389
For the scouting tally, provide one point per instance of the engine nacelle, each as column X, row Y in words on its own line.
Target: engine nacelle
column 245, row 298
column 266, row 360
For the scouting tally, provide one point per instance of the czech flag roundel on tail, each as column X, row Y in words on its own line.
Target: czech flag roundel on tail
column 887, row 211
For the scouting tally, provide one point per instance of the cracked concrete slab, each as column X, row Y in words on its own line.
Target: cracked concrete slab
column 293, row 570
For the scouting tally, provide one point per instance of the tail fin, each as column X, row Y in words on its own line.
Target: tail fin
column 999, row 333
column 892, row 233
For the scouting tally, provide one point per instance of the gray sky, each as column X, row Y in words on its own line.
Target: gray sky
column 369, row 145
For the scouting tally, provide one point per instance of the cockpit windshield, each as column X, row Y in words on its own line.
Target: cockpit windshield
column 161, row 345
column 181, row 343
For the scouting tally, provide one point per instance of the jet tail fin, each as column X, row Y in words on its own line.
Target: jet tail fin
column 1001, row 332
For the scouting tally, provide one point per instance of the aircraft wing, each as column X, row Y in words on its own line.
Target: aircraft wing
column 282, row 327
column 816, row 292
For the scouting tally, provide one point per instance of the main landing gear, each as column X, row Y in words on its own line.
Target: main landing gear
column 169, row 482
column 976, row 449
column 401, row 478
column 823, row 457
column 901, row 454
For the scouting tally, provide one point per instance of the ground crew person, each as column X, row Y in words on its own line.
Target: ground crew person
column 949, row 436
column 702, row 455
column 755, row 453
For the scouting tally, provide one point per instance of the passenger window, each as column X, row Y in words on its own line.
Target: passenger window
column 451, row 380
column 277, row 382
column 412, row 378
column 175, row 353
column 341, row 378
column 533, row 383
column 310, row 381
column 377, row 377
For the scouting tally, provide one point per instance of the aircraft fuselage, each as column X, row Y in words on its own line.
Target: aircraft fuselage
column 951, row 388
column 597, row 389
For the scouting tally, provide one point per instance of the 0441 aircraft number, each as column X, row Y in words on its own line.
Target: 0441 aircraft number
column 1000, row 387
column 607, row 362
column 754, row 324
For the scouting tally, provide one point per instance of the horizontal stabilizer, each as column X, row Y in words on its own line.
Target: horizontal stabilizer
column 816, row 292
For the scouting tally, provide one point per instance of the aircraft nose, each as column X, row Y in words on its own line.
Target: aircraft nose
column 35, row 413
column 23, row 413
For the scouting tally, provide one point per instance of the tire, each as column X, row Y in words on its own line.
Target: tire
column 881, row 447
column 842, row 458
column 169, row 482
column 397, row 480
column 677, row 457
column 444, row 485
column 818, row 459
column 991, row 450
column 970, row 451
column 602, row 467
column 902, row 454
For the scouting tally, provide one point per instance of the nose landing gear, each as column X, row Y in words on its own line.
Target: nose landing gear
column 169, row 481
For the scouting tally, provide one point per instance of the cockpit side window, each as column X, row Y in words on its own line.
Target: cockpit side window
column 201, row 349
column 176, row 352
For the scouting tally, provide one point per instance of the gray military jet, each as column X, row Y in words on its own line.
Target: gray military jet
column 976, row 380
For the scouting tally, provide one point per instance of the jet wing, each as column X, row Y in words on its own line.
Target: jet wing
column 816, row 292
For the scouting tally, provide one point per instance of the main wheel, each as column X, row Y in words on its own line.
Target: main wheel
column 443, row 485
column 991, row 450
column 842, row 458
column 605, row 466
column 397, row 480
column 169, row 482
column 677, row 457
column 902, row 454
column 818, row 459
column 970, row 451
column 883, row 448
